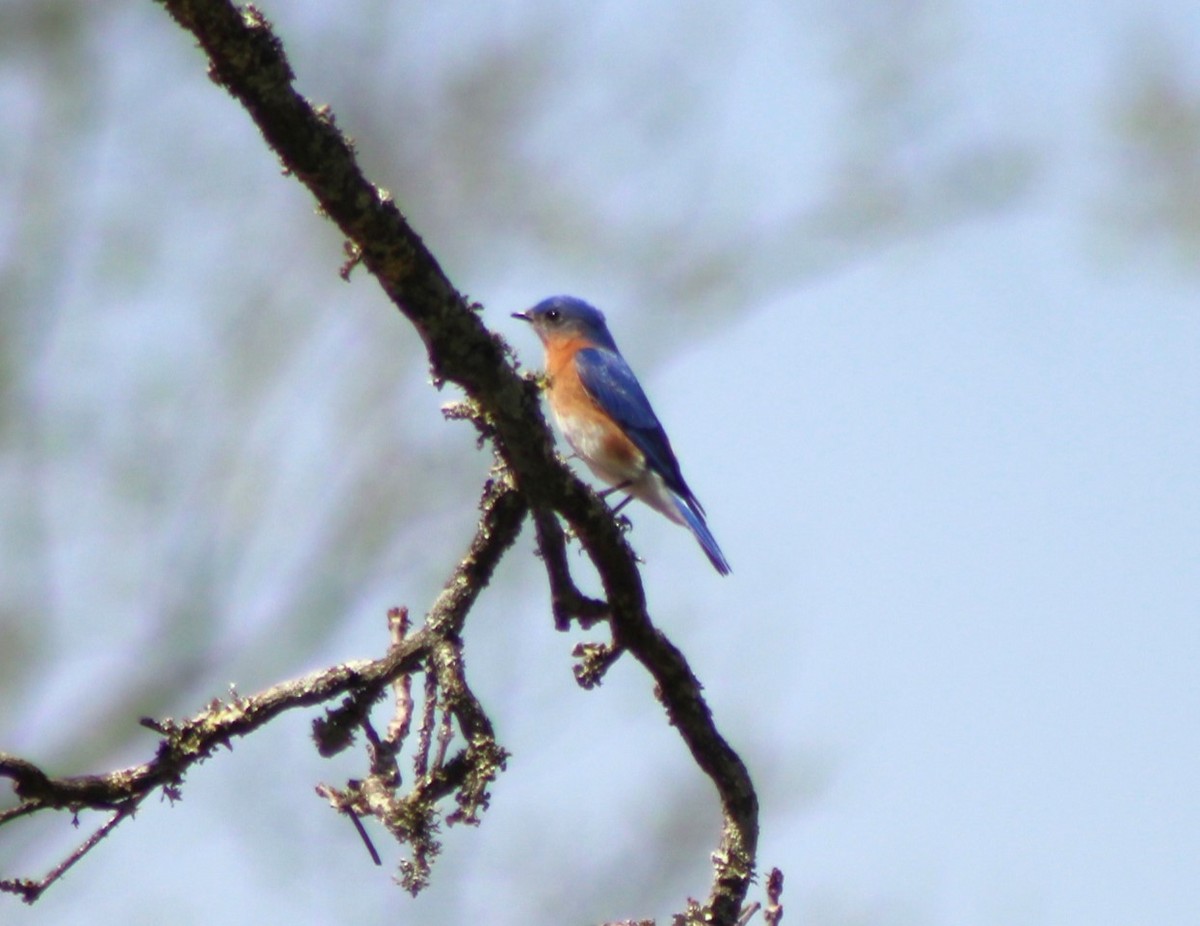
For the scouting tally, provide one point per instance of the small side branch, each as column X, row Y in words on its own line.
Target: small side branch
column 30, row 890
column 186, row 743
column 566, row 601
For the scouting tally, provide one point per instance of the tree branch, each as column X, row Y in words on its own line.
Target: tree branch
column 189, row 742
column 248, row 60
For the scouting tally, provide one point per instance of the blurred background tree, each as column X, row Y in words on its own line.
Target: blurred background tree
column 219, row 462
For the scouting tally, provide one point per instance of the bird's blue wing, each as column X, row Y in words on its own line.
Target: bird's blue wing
column 693, row 515
column 611, row 383
column 609, row 380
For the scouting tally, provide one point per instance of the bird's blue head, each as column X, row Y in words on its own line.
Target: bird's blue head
column 568, row 317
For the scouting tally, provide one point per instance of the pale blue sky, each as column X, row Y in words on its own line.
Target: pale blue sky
column 952, row 462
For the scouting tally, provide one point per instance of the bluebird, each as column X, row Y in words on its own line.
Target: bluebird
column 606, row 418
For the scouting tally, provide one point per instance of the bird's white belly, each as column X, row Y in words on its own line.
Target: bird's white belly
column 587, row 438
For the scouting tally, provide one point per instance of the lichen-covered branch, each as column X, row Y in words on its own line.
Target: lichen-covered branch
column 247, row 59
column 187, row 743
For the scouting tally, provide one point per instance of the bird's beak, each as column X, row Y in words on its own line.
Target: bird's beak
column 524, row 316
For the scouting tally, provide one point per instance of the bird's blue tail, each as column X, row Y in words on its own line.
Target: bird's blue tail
column 690, row 511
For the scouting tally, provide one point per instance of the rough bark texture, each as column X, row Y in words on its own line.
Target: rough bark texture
column 248, row 60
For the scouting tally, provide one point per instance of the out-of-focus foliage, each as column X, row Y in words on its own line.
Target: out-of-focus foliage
column 1152, row 204
column 209, row 438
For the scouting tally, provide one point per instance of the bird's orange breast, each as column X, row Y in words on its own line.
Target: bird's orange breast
column 589, row 430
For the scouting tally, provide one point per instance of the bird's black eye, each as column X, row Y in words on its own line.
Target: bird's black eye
column 553, row 315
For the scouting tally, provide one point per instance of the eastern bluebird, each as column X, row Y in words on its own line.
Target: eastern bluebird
column 606, row 418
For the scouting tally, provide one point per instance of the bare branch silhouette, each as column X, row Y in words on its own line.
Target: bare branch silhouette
column 247, row 59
